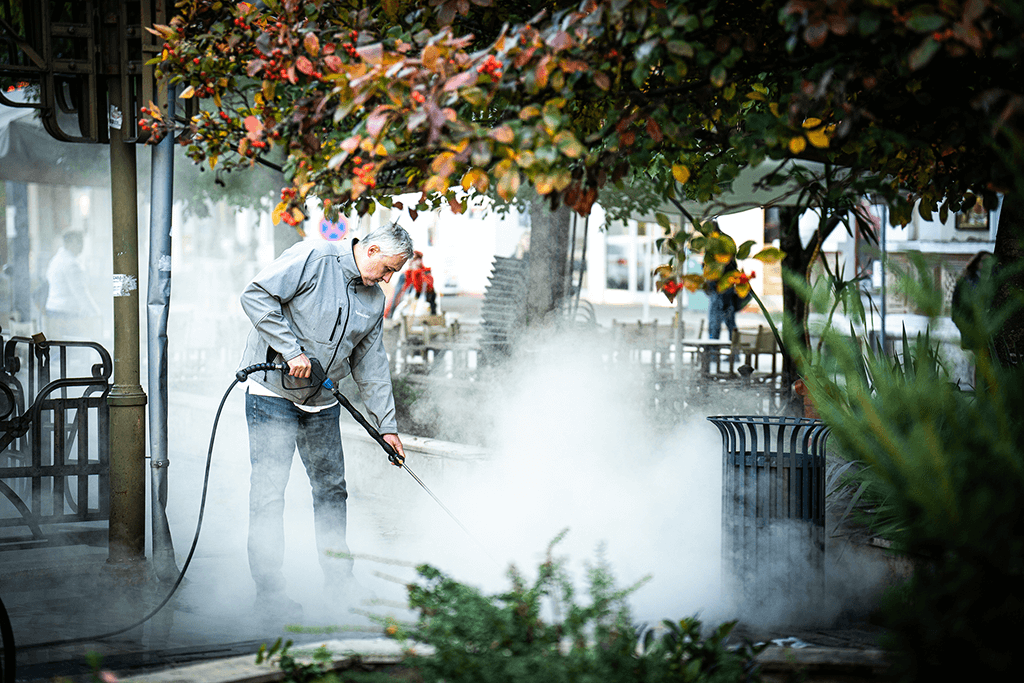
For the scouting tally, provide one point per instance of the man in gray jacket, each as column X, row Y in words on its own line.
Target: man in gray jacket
column 319, row 300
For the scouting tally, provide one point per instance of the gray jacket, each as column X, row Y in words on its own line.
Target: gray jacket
column 312, row 300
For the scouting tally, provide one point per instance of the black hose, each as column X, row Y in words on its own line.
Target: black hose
column 240, row 376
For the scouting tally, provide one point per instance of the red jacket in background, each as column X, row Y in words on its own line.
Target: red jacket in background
column 420, row 279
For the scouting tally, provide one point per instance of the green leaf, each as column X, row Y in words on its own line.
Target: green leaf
column 868, row 23
column 744, row 250
column 718, row 76
column 923, row 53
column 680, row 47
column 926, row 23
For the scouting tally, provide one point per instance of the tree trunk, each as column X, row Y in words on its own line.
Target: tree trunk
column 794, row 308
column 1009, row 249
column 549, row 261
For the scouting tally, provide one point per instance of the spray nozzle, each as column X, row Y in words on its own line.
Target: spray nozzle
column 244, row 373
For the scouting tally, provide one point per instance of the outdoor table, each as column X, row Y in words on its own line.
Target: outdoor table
column 704, row 348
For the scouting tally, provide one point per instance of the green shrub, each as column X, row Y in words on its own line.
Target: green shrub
column 949, row 466
column 508, row 637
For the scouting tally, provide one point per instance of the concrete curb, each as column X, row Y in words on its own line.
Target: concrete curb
column 345, row 654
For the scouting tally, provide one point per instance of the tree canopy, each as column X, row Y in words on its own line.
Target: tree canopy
column 367, row 100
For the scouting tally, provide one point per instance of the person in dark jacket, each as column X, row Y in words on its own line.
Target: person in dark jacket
column 319, row 299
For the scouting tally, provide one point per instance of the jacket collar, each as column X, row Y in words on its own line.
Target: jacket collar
column 347, row 259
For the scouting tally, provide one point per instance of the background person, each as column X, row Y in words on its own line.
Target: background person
column 319, row 299
column 71, row 313
column 416, row 282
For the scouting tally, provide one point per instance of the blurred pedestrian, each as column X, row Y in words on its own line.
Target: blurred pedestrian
column 71, row 313
column 416, row 282
column 722, row 306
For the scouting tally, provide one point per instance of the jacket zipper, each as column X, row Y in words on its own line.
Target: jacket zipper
column 336, row 323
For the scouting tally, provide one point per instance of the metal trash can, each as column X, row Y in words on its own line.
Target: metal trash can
column 773, row 515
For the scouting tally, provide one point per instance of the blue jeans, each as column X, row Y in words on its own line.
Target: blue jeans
column 719, row 313
column 276, row 428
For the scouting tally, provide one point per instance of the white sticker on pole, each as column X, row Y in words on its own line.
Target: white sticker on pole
column 124, row 285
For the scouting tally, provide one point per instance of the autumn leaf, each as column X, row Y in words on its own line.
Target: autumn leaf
column 818, row 138
column 504, row 134
column 460, row 80
column 333, row 63
column 431, row 58
column 477, row 179
column 528, row 112
column 312, row 44
column 508, row 185
column 544, row 184
column 275, row 215
column 435, row 183
column 304, row 65
column 680, row 173
column 797, row 144
column 602, row 81
column 654, row 130
column 372, row 54
column 569, row 145
column 376, row 121
column 187, row 93
column 253, row 124
column 692, row 282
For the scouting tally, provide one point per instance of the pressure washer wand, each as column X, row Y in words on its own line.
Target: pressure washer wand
column 393, row 455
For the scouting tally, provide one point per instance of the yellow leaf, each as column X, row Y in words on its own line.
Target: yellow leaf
column 812, row 123
column 304, row 190
column 431, row 57
column 797, row 144
column 275, row 215
column 544, row 184
column 435, row 183
column 475, row 177
column 680, row 173
column 298, row 215
column 243, row 146
column 213, row 161
column 773, row 107
column 529, row 112
column 818, row 138
column 187, row 93
column 380, row 150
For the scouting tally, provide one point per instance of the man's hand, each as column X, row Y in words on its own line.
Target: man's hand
column 396, row 443
column 300, row 366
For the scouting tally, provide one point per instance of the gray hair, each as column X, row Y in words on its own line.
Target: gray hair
column 392, row 239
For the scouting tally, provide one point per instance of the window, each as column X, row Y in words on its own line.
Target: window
column 973, row 218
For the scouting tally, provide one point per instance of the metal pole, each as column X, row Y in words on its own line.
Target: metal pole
column 127, row 400
column 157, row 303
column 885, row 258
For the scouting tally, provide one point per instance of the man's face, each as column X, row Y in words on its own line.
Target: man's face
column 377, row 267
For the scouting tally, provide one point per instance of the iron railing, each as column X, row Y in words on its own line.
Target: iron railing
column 54, row 442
